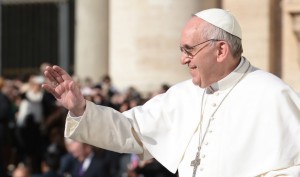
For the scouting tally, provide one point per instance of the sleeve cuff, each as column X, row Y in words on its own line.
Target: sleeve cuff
column 71, row 116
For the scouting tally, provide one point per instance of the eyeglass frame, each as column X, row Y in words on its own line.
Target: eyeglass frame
column 189, row 54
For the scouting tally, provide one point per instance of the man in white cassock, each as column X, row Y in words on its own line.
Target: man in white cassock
column 229, row 120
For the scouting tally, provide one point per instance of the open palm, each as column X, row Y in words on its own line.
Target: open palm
column 64, row 89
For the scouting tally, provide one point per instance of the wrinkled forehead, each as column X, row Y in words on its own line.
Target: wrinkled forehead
column 192, row 29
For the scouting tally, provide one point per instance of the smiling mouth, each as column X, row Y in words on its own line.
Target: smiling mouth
column 192, row 66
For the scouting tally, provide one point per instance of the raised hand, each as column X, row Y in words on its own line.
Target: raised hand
column 61, row 85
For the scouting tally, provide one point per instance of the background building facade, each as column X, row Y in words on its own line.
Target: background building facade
column 137, row 42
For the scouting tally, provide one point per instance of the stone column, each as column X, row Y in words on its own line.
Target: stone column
column 291, row 42
column 253, row 17
column 296, row 29
column 144, row 41
column 91, row 39
column 296, row 24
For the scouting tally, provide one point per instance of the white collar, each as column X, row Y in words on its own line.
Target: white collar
column 232, row 78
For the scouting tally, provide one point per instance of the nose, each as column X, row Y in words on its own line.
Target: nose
column 184, row 59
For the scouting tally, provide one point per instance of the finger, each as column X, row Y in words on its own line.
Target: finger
column 55, row 75
column 48, row 74
column 51, row 90
column 61, row 72
column 51, row 81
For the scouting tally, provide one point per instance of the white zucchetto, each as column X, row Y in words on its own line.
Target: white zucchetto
column 222, row 19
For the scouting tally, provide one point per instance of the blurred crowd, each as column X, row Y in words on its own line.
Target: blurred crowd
column 32, row 142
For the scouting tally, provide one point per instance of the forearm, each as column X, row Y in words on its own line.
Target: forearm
column 105, row 128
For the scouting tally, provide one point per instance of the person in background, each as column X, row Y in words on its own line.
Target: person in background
column 230, row 119
column 49, row 166
column 88, row 163
column 21, row 171
column 67, row 160
column 29, row 121
column 5, row 135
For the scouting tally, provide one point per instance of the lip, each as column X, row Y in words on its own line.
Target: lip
column 191, row 66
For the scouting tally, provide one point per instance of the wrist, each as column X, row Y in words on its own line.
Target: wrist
column 78, row 110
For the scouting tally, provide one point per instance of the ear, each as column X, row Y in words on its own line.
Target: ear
column 223, row 50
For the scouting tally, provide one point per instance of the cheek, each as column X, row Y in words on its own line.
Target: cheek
column 201, row 63
column 205, row 65
column 202, row 72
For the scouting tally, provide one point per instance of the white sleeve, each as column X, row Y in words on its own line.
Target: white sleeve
column 105, row 128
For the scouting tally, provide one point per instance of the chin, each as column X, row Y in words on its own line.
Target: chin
column 196, row 82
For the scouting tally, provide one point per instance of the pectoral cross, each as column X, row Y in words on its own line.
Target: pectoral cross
column 195, row 163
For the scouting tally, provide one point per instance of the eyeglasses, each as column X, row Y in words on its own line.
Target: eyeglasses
column 187, row 50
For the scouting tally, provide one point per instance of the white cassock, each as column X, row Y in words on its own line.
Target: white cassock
column 254, row 127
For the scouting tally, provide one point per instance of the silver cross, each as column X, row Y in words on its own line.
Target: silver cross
column 195, row 163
